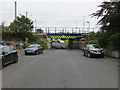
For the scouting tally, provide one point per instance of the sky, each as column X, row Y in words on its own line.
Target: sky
column 51, row 13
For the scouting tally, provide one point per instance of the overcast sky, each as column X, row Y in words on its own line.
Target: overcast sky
column 61, row 13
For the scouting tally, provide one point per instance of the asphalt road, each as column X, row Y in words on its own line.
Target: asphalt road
column 56, row 44
column 61, row 69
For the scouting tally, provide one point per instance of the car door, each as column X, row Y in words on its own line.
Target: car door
column 40, row 49
column 87, row 49
column 14, row 55
column 6, row 55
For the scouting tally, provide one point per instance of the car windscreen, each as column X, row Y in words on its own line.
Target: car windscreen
column 96, row 46
column 32, row 46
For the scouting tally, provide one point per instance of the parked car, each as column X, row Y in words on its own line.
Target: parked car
column 93, row 50
column 57, row 47
column 18, row 44
column 60, row 41
column 2, row 43
column 34, row 49
column 53, row 40
column 60, row 47
column 63, row 47
column 8, row 55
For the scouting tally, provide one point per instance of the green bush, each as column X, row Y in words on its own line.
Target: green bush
column 115, row 41
column 26, row 45
column 103, row 41
column 66, row 42
column 20, row 36
column 93, row 42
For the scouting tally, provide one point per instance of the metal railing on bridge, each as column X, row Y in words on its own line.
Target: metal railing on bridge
column 66, row 30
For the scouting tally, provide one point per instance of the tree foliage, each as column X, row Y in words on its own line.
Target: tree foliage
column 109, row 15
column 19, row 29
column 21, row 24
column 92, row 36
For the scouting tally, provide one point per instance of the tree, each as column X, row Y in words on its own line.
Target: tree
column 109, row 15
column 21, row 24
column 22, row 27
column 92, row 36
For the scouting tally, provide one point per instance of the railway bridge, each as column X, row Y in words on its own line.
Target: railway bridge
column 73, row 34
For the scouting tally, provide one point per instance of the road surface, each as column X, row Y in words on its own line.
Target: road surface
column 61, row 69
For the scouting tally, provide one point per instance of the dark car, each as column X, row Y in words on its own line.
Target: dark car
column 93, row 50
column 7, row 55
column 59, row 47
column 2, row 42
column 34, row 49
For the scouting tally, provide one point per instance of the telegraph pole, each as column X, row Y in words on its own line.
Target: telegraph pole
column 76, row 24
column 83, row 24
column 35, row 26
column 88, row 29
column 26, row 14
column 15, row 10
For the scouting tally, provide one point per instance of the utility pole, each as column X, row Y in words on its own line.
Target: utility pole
column 88, row 29
column 76, row 23
column 26, row 14
column 83, row 24
column 35, row 26
column 15, row 10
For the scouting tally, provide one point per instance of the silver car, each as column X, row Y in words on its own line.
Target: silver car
column 93, row 50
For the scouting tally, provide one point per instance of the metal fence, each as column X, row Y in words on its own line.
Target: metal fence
column 67, row 30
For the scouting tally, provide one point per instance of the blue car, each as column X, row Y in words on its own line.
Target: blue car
column 34, row 49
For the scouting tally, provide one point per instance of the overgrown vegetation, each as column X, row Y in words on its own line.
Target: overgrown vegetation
column 20, row 29
column 109, row 15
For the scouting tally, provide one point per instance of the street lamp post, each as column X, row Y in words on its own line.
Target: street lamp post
column 83, row 24
column 15, row 10
column 76, row 23
column 35, row 26
column 88, row 29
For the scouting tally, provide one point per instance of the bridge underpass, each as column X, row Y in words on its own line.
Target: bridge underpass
column 72, row 34
column 73, row 39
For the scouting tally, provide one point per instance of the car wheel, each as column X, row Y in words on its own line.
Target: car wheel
column 16, row 60
column 102, row 56
column 37, row 53
column 41, row 52
column 26, row 53
column 89, row 55
column 83, row 53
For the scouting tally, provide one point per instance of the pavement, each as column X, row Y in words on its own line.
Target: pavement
column 61, row 69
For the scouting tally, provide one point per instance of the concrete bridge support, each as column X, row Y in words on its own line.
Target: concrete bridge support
column 73, row 43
